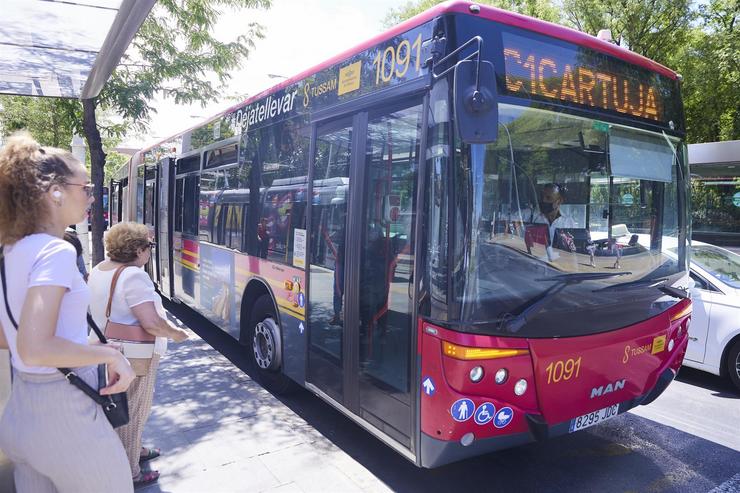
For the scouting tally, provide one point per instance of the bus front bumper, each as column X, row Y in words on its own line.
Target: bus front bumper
column 435, row 452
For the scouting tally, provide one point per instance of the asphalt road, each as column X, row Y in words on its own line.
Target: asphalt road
column 686, row 441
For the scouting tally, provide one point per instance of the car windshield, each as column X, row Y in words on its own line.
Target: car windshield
column 720, row 263
column 567, row 218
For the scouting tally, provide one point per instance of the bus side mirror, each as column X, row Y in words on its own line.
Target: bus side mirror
column 476, row 105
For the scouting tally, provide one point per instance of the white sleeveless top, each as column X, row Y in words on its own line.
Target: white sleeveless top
column 44, row 260
column 134, row 287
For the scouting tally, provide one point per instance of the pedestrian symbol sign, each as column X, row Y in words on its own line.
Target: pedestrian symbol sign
column 484, row 413
column 462, row 410
column 428, row 386
column 503, row 417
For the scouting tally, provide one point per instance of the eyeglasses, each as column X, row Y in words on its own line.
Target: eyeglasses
column 152, row 244
column 88, row 187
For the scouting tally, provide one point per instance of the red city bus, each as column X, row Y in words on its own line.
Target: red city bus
column 453, row 233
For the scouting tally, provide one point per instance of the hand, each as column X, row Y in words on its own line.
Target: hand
column 180, row 336
column 118, row 346
column 120, row 375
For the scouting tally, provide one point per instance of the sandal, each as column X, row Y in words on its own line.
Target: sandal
column 151, row 453
column 146, row 478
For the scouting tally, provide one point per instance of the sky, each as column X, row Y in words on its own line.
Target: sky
column 298, row 35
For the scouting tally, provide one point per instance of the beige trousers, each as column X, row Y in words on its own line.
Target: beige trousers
column 59, row 439
column 140, row 395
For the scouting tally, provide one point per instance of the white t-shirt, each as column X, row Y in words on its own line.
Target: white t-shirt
column 561, row 222
column 44, row 260
column 134, row 287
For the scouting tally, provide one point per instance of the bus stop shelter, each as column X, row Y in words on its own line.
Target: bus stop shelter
column 715, row 187
column 65, row 49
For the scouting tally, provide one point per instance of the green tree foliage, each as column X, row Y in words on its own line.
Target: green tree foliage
column 53, row 122
column 710, row 65
column 652, row 28
column 541, row 9
column 48, row 120
column 176, row 55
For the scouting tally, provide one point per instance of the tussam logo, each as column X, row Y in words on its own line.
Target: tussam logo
column 612, row 387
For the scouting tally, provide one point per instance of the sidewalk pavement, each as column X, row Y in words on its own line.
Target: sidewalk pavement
column 219, row 431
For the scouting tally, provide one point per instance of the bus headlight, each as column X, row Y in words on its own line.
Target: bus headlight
column 520, row 387
column 501, row 376
column 476, row 374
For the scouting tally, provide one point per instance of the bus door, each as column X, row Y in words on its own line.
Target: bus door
column 163, row 226
column 361, row 306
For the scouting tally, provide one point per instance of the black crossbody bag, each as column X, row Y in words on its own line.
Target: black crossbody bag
column 114, row 406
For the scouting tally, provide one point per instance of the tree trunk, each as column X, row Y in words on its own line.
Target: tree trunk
column 97, row 167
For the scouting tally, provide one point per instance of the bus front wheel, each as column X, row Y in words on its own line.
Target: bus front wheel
column 265, row 344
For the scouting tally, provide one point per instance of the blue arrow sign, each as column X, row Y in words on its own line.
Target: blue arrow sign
column 428, row 386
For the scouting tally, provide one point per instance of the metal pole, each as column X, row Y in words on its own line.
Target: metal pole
column 79, row 151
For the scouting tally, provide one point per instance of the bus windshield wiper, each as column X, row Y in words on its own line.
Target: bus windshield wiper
column 658, row 283
column 583, row 276
column 651, row 282
column 514, row 323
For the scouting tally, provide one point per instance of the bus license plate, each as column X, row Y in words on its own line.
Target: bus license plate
column 593, row 418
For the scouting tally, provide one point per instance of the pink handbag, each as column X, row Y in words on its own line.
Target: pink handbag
column 138, row 344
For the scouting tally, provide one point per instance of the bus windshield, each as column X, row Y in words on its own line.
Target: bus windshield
column 566, row 220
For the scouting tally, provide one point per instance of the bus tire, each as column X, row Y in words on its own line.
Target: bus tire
column 264, row 342
column 733, row 364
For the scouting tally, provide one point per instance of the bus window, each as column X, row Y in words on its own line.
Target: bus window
column 190, row 202
column 178, row 204
column 140, row 194
column 149, row 194
column 206, row 207
column 115, row 187
column 284, row 152
column 234, row 226
column 557, row 195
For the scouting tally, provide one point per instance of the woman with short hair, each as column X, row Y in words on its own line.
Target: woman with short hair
column 133, row 301
column 57, row 436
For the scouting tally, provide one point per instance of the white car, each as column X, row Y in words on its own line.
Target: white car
column 714, row 333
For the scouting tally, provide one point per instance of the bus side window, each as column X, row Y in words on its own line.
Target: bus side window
column 140, row 194
column 208, row 193
column 190, row 206
column 179, row 187
column 284, row 150
column 215, row 217
column 234, row 225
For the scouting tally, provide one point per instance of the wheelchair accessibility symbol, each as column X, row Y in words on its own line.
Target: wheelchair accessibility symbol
column 485, row 412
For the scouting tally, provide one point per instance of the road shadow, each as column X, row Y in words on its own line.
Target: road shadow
column 722, row 387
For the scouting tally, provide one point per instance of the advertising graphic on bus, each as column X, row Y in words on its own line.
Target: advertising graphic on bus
column 455, row 233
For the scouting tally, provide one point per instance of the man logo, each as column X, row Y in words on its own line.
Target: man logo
column 612, row 387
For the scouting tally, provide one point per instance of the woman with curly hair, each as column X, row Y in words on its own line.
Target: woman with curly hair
column 123, row 293
column 57, row 437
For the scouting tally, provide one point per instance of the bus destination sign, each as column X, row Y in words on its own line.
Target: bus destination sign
column 582, row 76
